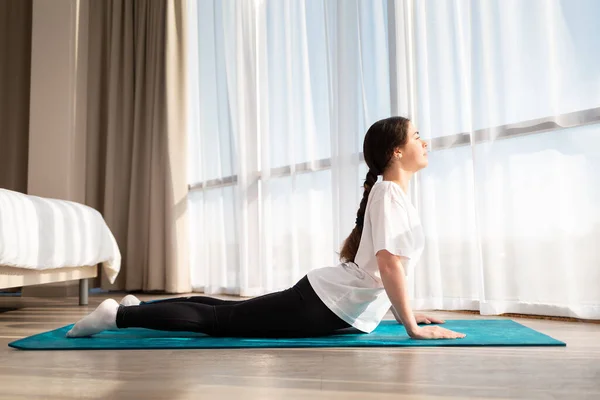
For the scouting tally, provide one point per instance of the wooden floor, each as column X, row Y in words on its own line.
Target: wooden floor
column 571, row 372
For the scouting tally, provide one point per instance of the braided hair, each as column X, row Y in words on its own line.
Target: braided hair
column 382, row 138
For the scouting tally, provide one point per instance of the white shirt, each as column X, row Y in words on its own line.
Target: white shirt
column 354, row 291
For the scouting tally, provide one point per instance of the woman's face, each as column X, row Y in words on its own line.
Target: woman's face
column 414, row 152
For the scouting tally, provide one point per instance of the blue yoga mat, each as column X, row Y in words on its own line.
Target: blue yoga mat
column 387, row 334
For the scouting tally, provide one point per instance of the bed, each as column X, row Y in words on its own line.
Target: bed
column 48, row 240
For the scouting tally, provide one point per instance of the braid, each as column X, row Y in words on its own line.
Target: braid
column 351, row 244
column 370, row 180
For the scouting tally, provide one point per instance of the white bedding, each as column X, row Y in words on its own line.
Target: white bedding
column 39, row 233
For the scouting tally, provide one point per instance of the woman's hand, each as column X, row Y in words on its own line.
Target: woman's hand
column 435, row 332
column 424, row 319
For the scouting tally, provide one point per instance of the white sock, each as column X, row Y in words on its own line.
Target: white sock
column 130, row 300
column 101, row 319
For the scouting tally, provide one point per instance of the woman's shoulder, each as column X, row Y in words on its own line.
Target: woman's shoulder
column 387, row 189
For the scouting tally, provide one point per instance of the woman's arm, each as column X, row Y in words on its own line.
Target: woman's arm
column 394, row 282
column 396, row 316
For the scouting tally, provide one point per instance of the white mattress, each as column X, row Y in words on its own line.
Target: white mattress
column 39, row 233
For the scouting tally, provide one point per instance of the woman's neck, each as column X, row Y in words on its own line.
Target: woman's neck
column 398, row 176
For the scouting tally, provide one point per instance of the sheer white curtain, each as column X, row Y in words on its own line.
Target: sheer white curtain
column 284, row 92
column 508, row 92
column 509, row 201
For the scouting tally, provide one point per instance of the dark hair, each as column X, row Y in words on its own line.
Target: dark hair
column 382, row 138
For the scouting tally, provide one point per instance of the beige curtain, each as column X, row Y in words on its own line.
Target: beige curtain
column 136, row 145
column 15, row 66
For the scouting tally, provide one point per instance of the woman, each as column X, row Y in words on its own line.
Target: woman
column 386, row 242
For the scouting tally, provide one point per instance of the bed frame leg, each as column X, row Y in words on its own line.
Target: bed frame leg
column 83, row 292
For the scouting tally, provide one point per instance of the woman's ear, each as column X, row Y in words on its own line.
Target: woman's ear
column 398, row 152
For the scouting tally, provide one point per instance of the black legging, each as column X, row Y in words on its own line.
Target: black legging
column 295, row 312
